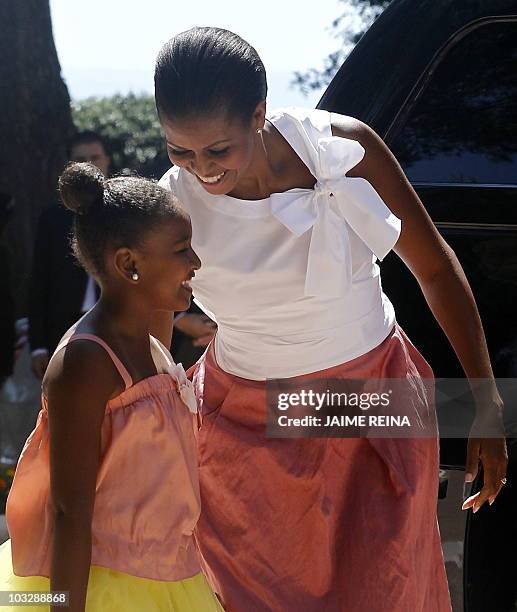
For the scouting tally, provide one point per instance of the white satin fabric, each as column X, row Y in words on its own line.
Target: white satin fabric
column 292, row 279
column 165, row 363
column 336, row 203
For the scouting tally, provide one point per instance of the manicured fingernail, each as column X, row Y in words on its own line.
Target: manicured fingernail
column 469, row 477
column 475, row 509
column 491, row 501
column 465, row 505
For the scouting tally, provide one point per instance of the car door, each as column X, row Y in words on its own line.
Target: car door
column 456, row 138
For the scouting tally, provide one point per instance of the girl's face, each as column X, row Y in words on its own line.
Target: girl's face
column 216, row 151
column 165, row 265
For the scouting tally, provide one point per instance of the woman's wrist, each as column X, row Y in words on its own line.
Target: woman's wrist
column 487, row 399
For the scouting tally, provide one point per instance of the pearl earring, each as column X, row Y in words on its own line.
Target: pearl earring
column 259, row 130
column 135, row 276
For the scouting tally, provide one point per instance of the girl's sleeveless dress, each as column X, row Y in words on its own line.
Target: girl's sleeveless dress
column 312, row 524
column 147, row 504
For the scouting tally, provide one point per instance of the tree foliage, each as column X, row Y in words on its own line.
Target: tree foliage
column 129, row 125
column 347, row 29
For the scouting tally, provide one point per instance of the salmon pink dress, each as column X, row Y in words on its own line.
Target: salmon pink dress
column 317, row 524
column 147, row 500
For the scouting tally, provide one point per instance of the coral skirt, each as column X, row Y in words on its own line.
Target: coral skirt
column 111, row 591
column 317, row 524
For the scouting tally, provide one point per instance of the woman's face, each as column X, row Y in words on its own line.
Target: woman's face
column 166, row 264
column 217, row 151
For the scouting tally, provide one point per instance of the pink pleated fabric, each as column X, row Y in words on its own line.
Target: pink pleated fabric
column 320, row 524
column 147, row 492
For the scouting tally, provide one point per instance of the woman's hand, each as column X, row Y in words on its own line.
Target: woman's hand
column 487, row 443
column 198, row 326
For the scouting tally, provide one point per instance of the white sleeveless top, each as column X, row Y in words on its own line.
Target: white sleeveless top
column 291, row 280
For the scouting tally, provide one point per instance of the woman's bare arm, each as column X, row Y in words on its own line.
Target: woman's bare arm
column 79, row 382
column 444, row 285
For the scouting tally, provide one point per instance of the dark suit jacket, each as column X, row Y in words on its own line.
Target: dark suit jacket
column 57, row 284
column 7, row 333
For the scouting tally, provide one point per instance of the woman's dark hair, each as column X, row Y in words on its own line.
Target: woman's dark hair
column 204, row 70
column 115, row 212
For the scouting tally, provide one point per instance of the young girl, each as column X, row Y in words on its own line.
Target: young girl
column 106, row 497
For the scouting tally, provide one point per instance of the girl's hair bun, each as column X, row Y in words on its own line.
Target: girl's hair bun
column 82, row 187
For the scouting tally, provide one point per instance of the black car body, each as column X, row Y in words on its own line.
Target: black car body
column 437, row 80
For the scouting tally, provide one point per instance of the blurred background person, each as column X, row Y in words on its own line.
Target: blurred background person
column 60, row 290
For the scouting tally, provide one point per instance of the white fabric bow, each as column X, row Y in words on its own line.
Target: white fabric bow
column 184, row 386
column 354, row 204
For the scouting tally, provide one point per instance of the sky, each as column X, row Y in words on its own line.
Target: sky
column 109, row 46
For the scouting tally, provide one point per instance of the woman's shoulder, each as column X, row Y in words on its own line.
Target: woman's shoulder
column 299, row 124
column 374, row 152
column 351, row 128
column 313, row 133
column 298, row 112
column 322, row 121
column 312, row 119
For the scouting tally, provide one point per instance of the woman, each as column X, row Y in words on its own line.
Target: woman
column 289, row 214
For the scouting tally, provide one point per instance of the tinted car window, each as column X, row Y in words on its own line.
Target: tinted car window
column 463, row 126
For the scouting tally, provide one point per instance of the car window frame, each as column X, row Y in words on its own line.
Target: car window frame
column 401, row 118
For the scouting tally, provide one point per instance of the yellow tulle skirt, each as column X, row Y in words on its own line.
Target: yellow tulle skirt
column 111, row 591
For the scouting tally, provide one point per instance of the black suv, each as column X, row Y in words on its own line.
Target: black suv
column 437, row 79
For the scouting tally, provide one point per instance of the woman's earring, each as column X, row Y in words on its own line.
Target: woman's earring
column 135, row 276
column 259, row 132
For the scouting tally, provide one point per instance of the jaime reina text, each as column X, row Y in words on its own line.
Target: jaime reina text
column 361, row 420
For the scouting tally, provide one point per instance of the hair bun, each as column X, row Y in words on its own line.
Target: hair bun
column 81, row 186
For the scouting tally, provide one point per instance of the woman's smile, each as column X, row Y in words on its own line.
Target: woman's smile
column 215, row 184
column 211, row 180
